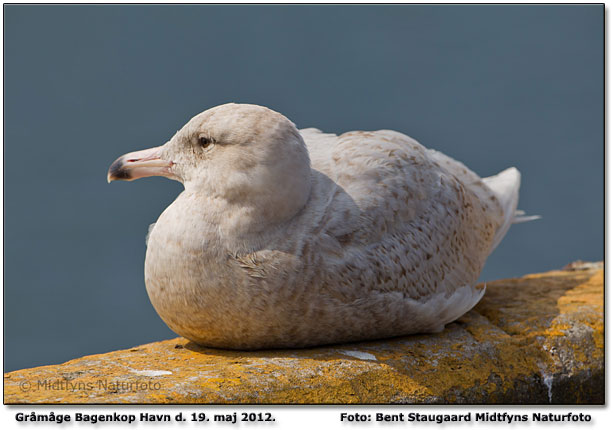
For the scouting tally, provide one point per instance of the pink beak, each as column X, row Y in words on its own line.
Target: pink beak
column 140, row 164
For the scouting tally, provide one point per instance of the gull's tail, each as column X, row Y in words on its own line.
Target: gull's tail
column 505, row 186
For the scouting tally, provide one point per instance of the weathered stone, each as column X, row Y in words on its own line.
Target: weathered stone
column 536, row 339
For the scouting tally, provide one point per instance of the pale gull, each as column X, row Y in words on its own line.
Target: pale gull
column 291, row 238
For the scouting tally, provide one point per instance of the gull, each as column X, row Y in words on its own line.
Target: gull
column 294, row 238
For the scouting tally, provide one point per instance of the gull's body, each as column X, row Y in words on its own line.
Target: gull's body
column 377, row 237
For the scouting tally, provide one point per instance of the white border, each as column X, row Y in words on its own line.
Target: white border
column 324, row 417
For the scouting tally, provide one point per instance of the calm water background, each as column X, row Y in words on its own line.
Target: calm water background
column 493, row 86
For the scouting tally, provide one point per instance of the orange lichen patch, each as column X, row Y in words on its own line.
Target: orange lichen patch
column 589, row 293
column 531, row 340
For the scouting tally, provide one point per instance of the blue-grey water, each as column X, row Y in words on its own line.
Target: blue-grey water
column 493, row 86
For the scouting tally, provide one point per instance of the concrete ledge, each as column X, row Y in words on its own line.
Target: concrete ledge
column 536, row 339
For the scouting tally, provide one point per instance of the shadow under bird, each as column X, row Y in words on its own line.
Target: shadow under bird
column 291, row 238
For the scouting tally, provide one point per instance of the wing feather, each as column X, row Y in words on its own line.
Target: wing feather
column 423, row 222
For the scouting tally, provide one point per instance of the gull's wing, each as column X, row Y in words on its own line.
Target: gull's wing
column 420, row 221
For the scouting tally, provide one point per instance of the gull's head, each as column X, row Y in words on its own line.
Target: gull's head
column 237, row 152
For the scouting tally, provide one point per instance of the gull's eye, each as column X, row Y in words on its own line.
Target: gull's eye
column 204, row 141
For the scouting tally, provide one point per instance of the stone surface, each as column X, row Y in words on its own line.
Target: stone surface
column 536, row 339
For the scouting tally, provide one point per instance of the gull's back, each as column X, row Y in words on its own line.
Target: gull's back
column 406, row 231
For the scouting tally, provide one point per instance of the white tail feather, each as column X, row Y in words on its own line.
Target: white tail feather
column 520, row 216
column 517, row 219
column 505, row 186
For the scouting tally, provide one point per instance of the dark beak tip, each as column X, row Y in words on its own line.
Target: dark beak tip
column 117, row 171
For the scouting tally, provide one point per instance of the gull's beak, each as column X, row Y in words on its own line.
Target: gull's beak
column 140, row 164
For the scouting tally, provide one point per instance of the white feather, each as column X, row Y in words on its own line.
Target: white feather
column 505, row 186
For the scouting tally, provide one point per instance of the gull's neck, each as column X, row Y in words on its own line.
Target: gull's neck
column 240, row 225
